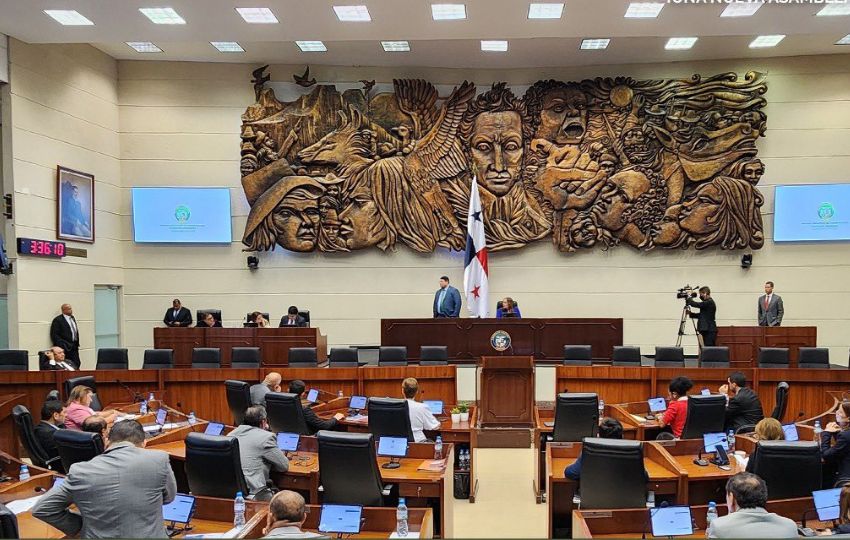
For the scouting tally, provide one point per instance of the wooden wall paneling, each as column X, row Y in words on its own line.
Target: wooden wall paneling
column 711, row 378
column 601, row 334
column 792, row 337
column 331, row 380
column 435, row 382
column 274, row 343
column 182, row 340
column 8, row 434
column 202, row 390
column 809, row 390
column 227, row 338
column 414, row 333
column 614, row 384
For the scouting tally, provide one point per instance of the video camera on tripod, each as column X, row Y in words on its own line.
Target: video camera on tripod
column 687, row 292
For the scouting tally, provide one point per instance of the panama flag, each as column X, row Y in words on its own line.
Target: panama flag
column 475, row 260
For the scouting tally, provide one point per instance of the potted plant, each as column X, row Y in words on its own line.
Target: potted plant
column 463, row 408
column 455, row 416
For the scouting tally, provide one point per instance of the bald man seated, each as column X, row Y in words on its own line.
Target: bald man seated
column 54, row 359
column 287, row 513
column 270, row 384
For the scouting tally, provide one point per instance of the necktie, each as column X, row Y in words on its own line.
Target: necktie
column 442, row 297
column 766, row 301
column 73, row 324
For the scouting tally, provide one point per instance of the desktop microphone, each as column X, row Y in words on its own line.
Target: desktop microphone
column 137, row 397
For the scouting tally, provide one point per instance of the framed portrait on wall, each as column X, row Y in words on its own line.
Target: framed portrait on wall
column 74, row 205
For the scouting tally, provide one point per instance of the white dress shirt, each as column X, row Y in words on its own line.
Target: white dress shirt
column 73, row 325
column 421, row 419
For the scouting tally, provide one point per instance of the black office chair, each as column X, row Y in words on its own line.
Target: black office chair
column 24, row 425
column 392, row 356
column 706, row 414
column 773, row 357
column 77, row 446
column 714, row 357
column 303, row 357
column 343, row 357
column 578, row 355
column 499, row 305
column 789, row 468
column 250, row 320
column 213, row 466
column 112, row 358
column 348, row 469
column 433, row 355
column 669, row 357
column 285, row 413
column 625, row 356
column 8, row 523
column 813, row 358
column 14, row 360
column 238, row 399
column 612, row 462
column 389, row 417
column 745, row 429
column 245, row 357
column 576, row 416
column 306, row 315
column 206, row 358
column 158, row 359
column 781, row 401
column 86, row 380
column 199, row 314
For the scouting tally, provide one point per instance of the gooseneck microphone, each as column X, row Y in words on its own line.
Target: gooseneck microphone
column 137, row 397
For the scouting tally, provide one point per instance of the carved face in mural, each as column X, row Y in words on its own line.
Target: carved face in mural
column 636, row 146
column 621, row 191
column 362, row 224
column 563, row 117
column 752, row 171
column 496, row 149
column 296, row 220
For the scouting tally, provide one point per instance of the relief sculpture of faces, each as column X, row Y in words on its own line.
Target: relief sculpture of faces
column 563, row 115
column 496, row 148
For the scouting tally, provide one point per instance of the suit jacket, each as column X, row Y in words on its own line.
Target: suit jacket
column 62, row 336
column 259, row 454
column 258, row 394
column 772, row 316
column 44, row 435
column 838, row 454
column 451, row 304
column 315, row 423
column 45, row 365
column 744, row 408
column 752, row 523
column 184, row 317
column 119, row 494
column 299, row 321
column 292, row 532
column 707, row 312
column 202, row 324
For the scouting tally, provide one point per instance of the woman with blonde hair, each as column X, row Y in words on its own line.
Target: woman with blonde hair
column 769, row 429
column 79, row 408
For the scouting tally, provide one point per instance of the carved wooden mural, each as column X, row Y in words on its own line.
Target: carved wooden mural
column 596, row 163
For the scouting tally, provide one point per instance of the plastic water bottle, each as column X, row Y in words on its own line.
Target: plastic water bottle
column 401, row 518
column 438, row 448
column 711, row 515
column 730, row 438
column 601, row 407
column 150, row 401
column 143, row 408
column 464, row 459
column 339, row 394
column 239, row 510
column 818, row 430
column 192, row 418
column 25, row 473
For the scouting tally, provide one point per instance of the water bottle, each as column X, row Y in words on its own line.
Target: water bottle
column 730, row 438
column 711, row 515
column 818, row 430
column 25, row 473
column 339, row 394
column 143, row 408
column 192, row 418
column 150, row 401
column 438, row 448
column 601, row 407
column 464, row 459
column 239, row 511
column 401, row 518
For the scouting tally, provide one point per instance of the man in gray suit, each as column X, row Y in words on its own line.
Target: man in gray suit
column 770, row 307
column 270, row 384
column 119, row 494
column 746, row 497
column 258, row 449
column 287, row 513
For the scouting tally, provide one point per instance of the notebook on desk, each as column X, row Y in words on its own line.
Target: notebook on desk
column 433, row 465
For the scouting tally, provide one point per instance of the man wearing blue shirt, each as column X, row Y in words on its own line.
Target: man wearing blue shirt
column 446, row 300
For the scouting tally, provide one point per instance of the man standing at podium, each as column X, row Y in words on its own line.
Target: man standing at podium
column 770, row 309
column 446, row 300
column 178, row 315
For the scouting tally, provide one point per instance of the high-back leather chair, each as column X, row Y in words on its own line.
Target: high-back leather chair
column 26, row 433
column 813, row 358
column 285, row 413
column 612, row 462
column 206, row 357
column 112, row 358
column 14, row 360
column 250, row 320
column 302, row 357
column 389, row 417
column 781, row 401
column 773, row 357
column 201, row 313
column 576, row 416
column 238, row 399
column 578, row 355
column 214, row 466
column 392, row 356
column 706, row 414
column 343, row 357
column 8, row 523
column 76, row 446
column 86, row 380
column 714, row 357
column 245, row 357
column 305, row 314
column 789, row 468
column 627, row 356
column 433, row 355
column 669, row 357
column 158, row 359
column 348, row 469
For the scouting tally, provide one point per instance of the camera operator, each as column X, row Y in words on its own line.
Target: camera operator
column 706, row 325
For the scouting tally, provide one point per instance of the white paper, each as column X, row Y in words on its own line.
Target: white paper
column 156, row 427
column 410, row 534
column 22, row 505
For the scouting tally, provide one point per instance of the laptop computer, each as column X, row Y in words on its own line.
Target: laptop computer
column 671, row 521
column 340, row 519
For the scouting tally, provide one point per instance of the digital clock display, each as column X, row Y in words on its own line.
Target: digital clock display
column 41, row 248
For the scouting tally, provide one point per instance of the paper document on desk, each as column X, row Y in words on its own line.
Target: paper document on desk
column 128, row 417
column 164, row 427
column 359, row 418
column 434, row 465
column 742, row 461
column 410, row 534
column 232, row 533
column 22, row 505
column 639, row 419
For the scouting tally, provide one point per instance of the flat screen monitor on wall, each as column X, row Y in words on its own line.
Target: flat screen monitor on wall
column 812, row 213
column 181, row 215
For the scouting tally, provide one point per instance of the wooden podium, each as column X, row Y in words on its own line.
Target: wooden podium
column 744, row 342
column 506, row 392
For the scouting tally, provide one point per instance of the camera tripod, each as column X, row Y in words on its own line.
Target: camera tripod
column 682, row 323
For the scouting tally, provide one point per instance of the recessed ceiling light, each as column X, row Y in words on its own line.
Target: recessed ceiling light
column 144, row 46
column 448, row 12
column 594, row 44
column 741, row 9
column 834, row 10
column 352, row 13
column 766, row 41
column 165, row 15
column 844, row 41
column 680, row 43
column 545, row 11
column 311, row 46
column 496, row 45
column 257, row 15
column 644, row 10
column 68, row 17
column 395, row 46
column 227, row 46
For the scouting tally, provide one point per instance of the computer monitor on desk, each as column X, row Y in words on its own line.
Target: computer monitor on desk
column 393, row 448
column 178, row 512
column 288, row 442
column 214, row 428
column 790, row 431
column 827, row 503
column 671, row 521
column 340, row 519
column 356, row 404
column 435, row 406
column 312, row 395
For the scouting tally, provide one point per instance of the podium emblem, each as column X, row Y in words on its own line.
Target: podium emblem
column 500, row 340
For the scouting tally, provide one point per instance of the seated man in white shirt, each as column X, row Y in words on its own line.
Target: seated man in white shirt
column 421, row 418
column 54, row 359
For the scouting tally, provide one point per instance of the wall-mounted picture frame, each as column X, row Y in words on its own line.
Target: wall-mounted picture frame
column 74, row 205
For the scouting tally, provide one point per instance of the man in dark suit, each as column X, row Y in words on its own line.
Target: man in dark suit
column 313, row 421
column 770, row 308
column 52, row 419
column 744, row 406
column 53, row 359
column 292, row 318
column 706, row 324
column 65, row 333
column 446, row 300
column 178, row 315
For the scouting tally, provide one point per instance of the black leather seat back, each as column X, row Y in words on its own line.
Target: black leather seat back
column 669, row 357
column 285, row 413
column 578, row 355
column 389, row 417
column 214, row 466
column 433, row 355
column 8, row 523
column 813, row 358
column 789, row 468
column 238, row 399
column 306, row 315
column 392, row 356
column 245, row 357
column 612, row 462
column 706, row 414
column 625, row 356
column 303, row 357
column 76, row 446
column 85, row 380
column 158, row 359
column 349, row 469
column 14, row 360
column 576, row 416
column 112, row 358
column 343, row 357
column 781, row 401
column 714, row 357
column 773, row 357
column 25, row 427
column 201, row 313
column 206, row 357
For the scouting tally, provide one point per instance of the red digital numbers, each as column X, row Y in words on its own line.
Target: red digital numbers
column 43, row 248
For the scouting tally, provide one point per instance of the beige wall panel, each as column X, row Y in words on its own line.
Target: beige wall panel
column 198, row 119
column 809, row 115
column 49, row 153
column 805, row 143
column 186, row 93
column 76, row 65
column 181, row 146
column 153, row 172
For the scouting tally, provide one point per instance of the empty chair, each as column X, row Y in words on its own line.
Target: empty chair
column 245, row 357
column 8, row 523
column 714, row 357
column 773, row 357
column 576, row 416
column 578, row 355
column 86, row 380
column 813, row 358
column 706, row 414
column 669, row 357
column 612, row 462
column 158, row 359
column 781, row 401
column 206, row 357
column 625, row 356
column 389, row 417
column 14, row 360
column 433, row 355
column 238, row 399
column 285, row 413
column 302, row 357
column 343, row 357
column 76, row 446
column 789, row 468
column 348, row 469
column 214, row 466
column 392, row 356
column 112, row 358
column 305, row 314
column 26, row 432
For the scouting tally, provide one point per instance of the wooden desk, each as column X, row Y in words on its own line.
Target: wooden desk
column 10, row 467
column 181, row 340
column 8, row 434
column 701, row 484
column 377, row 522
column 506, row 391
column 744, row 342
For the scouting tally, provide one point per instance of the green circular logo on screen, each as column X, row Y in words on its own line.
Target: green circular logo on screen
column 182, row 213
column 826, row 211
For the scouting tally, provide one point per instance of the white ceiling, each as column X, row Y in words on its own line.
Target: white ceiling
column 533, row 43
